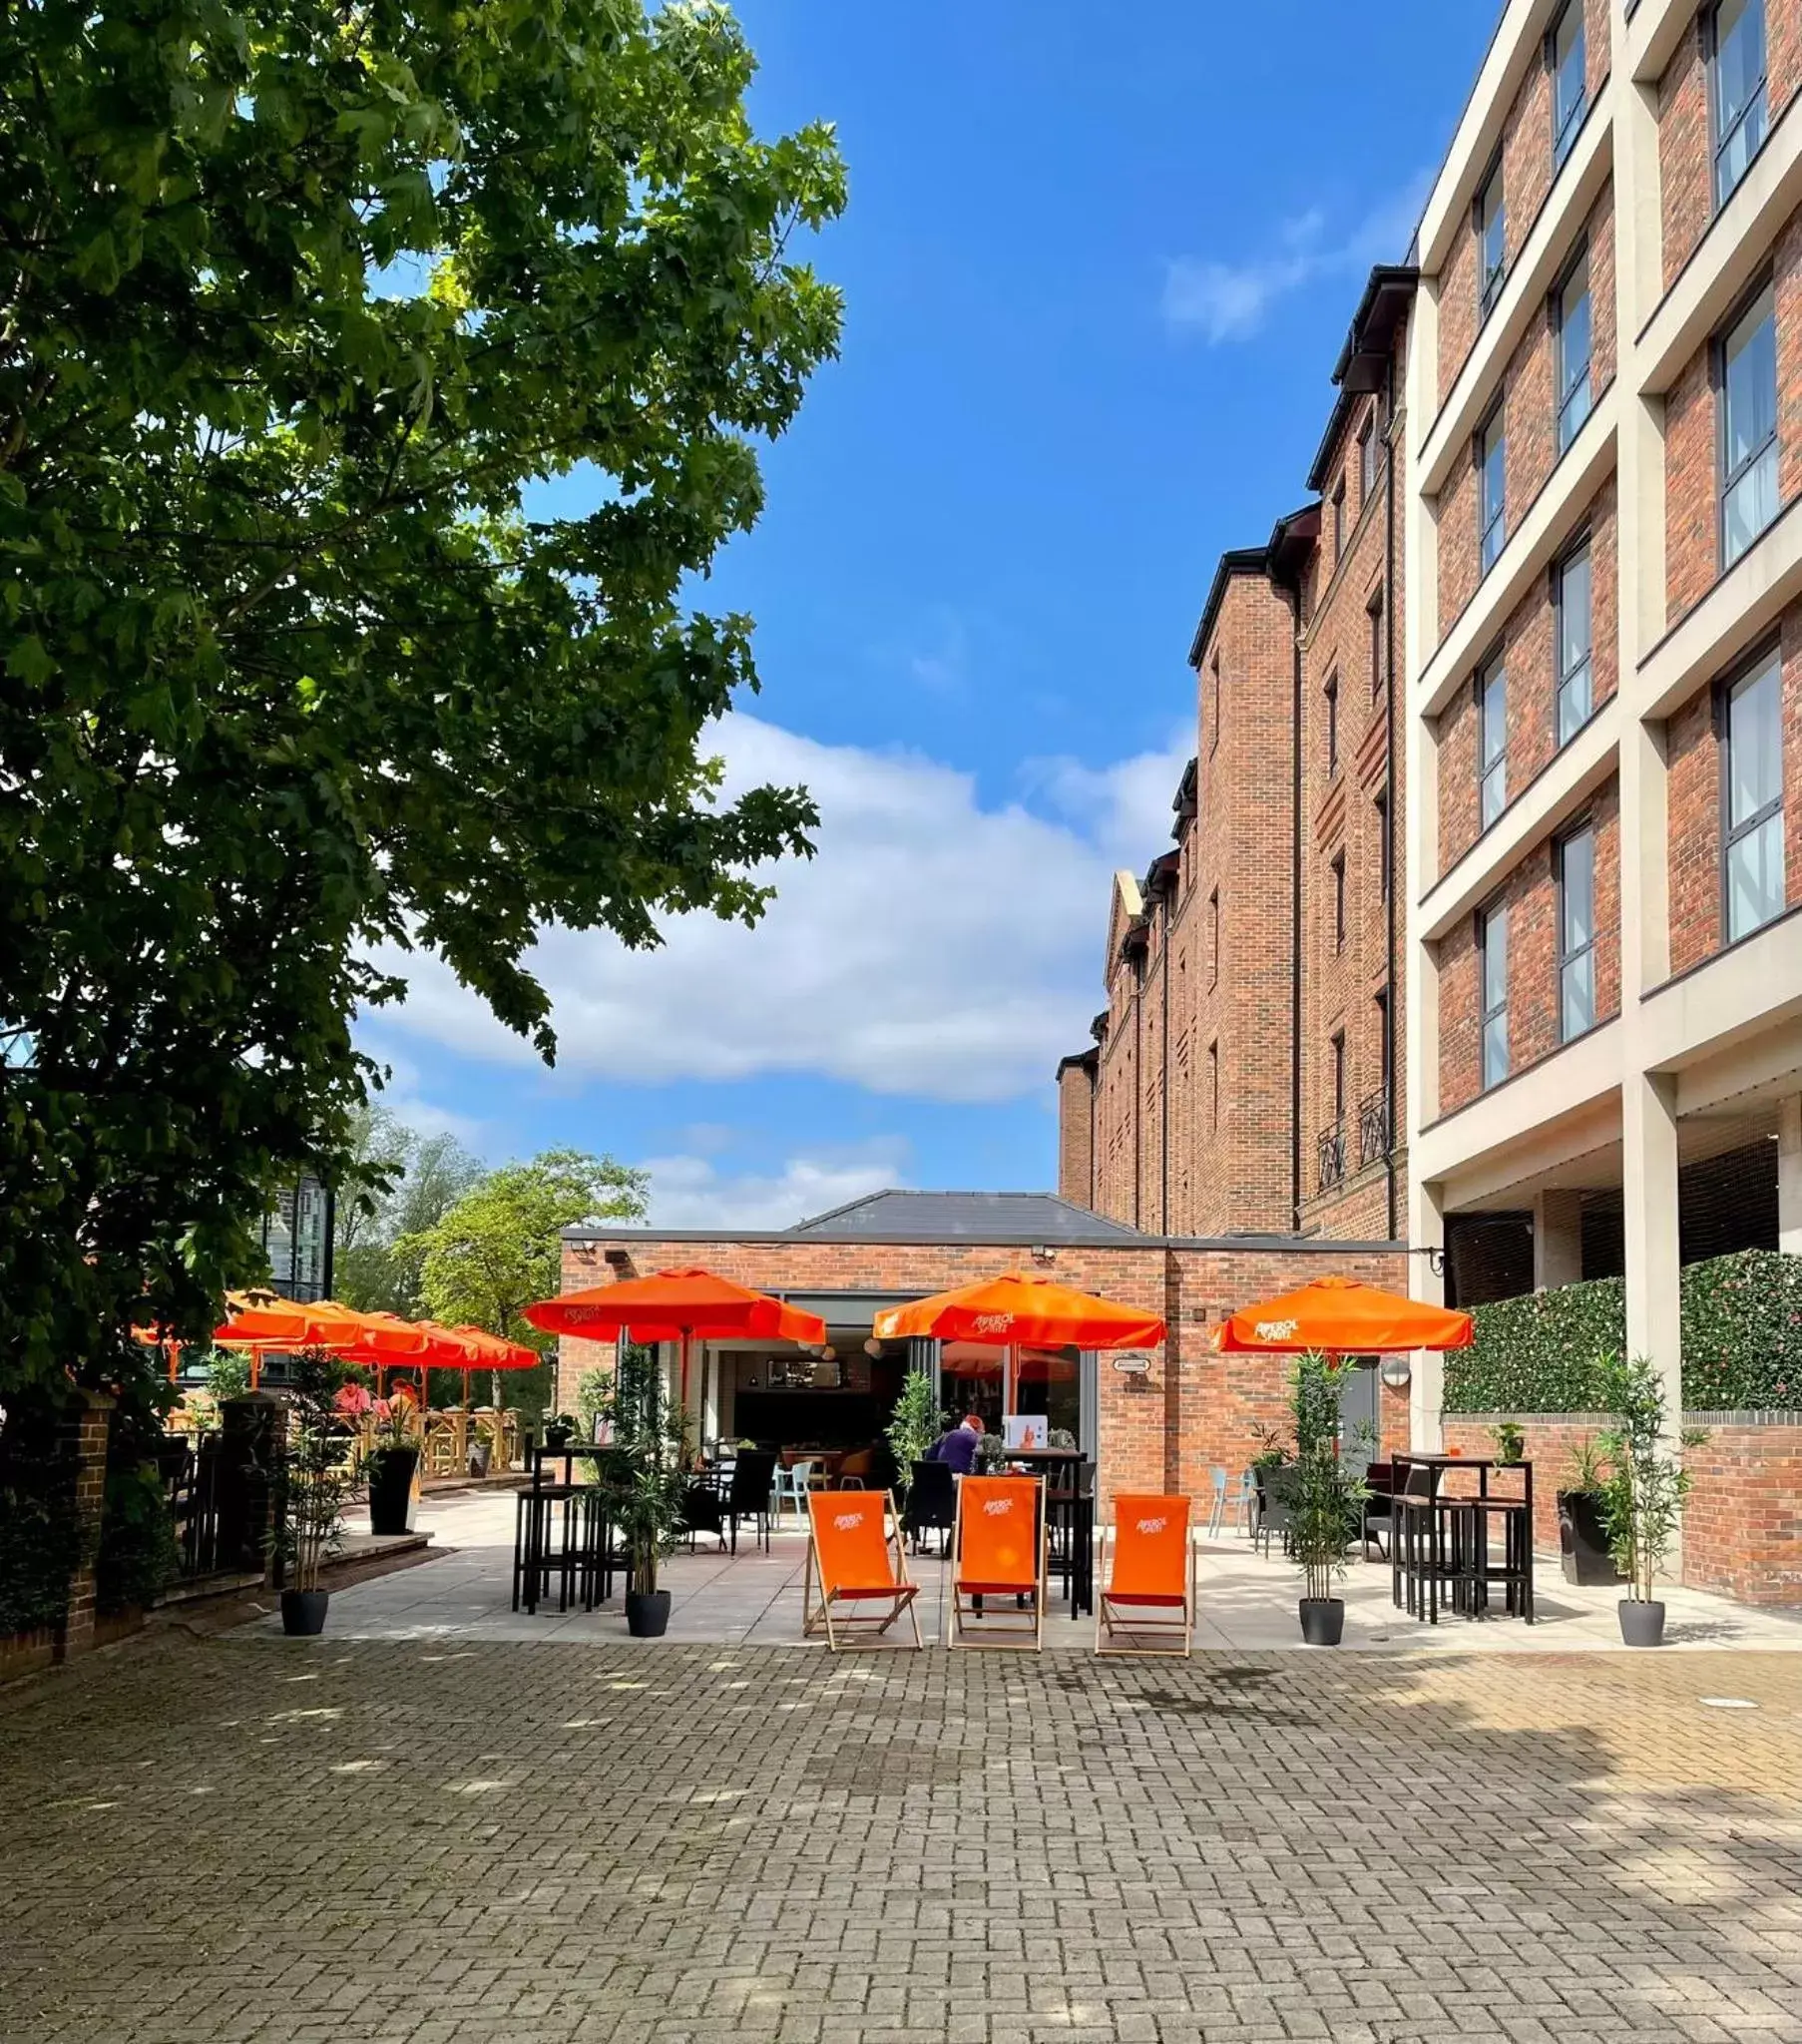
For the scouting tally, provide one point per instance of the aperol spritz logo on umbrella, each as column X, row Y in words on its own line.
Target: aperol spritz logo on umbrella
column 990, row 1324
column 1275, row 1330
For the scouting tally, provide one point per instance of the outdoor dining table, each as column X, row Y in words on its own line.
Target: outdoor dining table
column 1440, row 1540
column 562, row 1535
column 1070, row 1513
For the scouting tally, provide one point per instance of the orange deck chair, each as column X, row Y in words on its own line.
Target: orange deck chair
column 998, row 1552
column 857, row 1556
column 1148, row 1598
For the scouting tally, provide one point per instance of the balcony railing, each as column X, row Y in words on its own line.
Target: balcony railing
column 1376, row 1128
column 1332, row 1156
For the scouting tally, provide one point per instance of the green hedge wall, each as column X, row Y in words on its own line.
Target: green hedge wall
column 1742, row 1341
column 1536, row 1353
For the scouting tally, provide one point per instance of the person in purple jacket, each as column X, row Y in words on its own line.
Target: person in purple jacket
column 957, row 1449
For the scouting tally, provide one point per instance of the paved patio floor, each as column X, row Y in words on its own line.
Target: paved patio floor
column 1245, row 1601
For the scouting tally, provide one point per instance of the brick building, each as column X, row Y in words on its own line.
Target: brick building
column 1245, row 1077
column 1603, row 659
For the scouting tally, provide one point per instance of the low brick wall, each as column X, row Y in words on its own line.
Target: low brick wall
column 1742, row 1527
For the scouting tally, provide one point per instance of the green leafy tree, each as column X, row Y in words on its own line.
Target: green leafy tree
column 404, row 1184
column 296, row 304
column 500, row 1247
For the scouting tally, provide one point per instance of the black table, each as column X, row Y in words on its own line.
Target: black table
column 1441, row 1542
column 563, row 1535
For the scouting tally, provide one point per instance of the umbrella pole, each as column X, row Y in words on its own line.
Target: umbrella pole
column 682, row 1407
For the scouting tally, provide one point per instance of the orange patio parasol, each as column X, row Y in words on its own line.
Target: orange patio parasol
column 676, row 1305
column 1019, row 1309
column 1342, row 1316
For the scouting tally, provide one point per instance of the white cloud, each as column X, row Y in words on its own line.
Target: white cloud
column 1225, row 302
column 933, row 947
column 692, row 1192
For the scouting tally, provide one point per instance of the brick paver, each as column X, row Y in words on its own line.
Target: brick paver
column 249, row 1838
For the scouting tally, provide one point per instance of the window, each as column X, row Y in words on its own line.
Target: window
column 1213, row 938
column 1570, row 596
column 1374, row 611
column 1492, row 491
column 1490, row 218
column 1367, row 459
column 1339, row 901
column 1748, row 429
column 1332, row 725
column 1492, row 743
column 1752, row 797
column 1571, row 312
column 1219, row 701
column 1214, row 1085
column 1338, row 1052
column 1385, row 853
column 1492, row 955
column 1338, row 521
column 1385, row 1046
column 1576, row 934
column 1736, row 102
column 1569, row 94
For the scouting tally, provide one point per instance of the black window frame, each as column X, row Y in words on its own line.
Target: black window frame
column 1759, row 97
column 1385, row 850
column 1213, row 938
column 1490, row 918
column 1565, row 135
column 1213, row 743
column 1367, row 458
column 1331, row 693
column 1373, row 610
column 1336, row 1045
column 1213, row 1084
column 1560, row 681
column 1339, row 503
column 1767, row 655
column 1385, row 1041
column 1727, row 480
column 1564, row 385
column 1583, row 831
column 1493, row 429
column 1495, row 668
column 1336, row 866
column 1489, row 281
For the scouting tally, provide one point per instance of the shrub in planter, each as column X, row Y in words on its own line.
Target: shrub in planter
column 1643, row 1501
column 1323, row 1497
column 644, row 1471
column 315, row 1483
column 913, row 1426
column 1583, row 1534
column 390, row 1467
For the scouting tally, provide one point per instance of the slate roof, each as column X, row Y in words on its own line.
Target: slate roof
column 966, row 1216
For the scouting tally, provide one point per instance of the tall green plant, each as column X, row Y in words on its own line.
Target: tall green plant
column 316, row 1480
column 644, row 1468
column 913, row 1426
column 1322, row 1493
column 1643, row 1498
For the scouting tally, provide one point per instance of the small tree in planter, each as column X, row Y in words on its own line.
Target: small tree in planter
column 644, row 1472
column 391, row 1463
column 316, row 1482
column 1323, row 1497
column 913, row 1426
column 1642, row 1503
column 1583, row 1534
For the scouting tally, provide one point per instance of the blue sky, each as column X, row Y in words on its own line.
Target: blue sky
column 1096, row 282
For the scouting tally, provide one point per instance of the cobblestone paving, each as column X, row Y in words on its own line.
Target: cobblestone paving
column 249, row 1838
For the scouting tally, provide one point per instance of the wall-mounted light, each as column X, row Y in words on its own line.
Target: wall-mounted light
column 1397, row 1372
column 1043, row 1252
column 872, row 1347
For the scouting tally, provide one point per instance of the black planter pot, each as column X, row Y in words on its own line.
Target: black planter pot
column 1582, row 1541
column 558, row 1433
column 1322, row 1619
column 304, row 1613
column 391, row 1490
column 480, row 1454
column 647, row 1613
column 1641, row 1624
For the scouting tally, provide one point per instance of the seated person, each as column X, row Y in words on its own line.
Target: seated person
column 958, row 1448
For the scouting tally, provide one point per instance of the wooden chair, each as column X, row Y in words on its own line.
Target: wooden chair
column 998, row 1552
column 1150, row 1594
column 857, row 1556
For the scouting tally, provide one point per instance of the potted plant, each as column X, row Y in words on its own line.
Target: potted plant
column 643, row 1473
column 1583, row 1535
column 391, row 1465
column 1644, row 1501
column 1323, row 1498
column 1511, row 1443
column 913, row 1426
column 561, row 1431
column 315, row 1482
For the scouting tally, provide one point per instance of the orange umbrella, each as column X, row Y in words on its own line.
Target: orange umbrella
column 287, row 1323
column 1344, row 1317
column 1018, row 1308
column 170, row 1348
column 676, row 1305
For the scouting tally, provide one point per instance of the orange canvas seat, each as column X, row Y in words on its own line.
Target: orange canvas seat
column 1148, row 1583
column 855, row 1556
column 999, row 1551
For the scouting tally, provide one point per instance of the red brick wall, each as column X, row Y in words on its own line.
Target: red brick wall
column 1076, row 1131
column 1549, row 1444
column 1686, row 172
column 1693, row 799
column 1529, row 893
column 1692, row 459
column 1530, row 656
column 1742, row 1525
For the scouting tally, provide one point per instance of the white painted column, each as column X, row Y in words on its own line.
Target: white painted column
column 1427, row 1383
column 1557, row 1240
column 1649, row 1190
column 1789, row 1174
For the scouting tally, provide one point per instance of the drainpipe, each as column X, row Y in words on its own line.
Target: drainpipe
column 1395, row 871
column 1164, row 1086
column 1139, row 1081
column 1295, row 922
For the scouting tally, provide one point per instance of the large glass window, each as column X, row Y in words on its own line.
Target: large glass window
column 1490, row 219
column 1492, row 947
column 1753, row 794
column 1569, row 92
column 1576, row 933
column 1492, row 743
column 1574, row 638
column 1575, row 339
column 1737, row 91
column 1492, row 492
column 1748, row 384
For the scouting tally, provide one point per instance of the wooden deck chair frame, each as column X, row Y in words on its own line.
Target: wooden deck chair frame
column 834, row 1613
column 1009, row 1628
column 1159, row 1634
